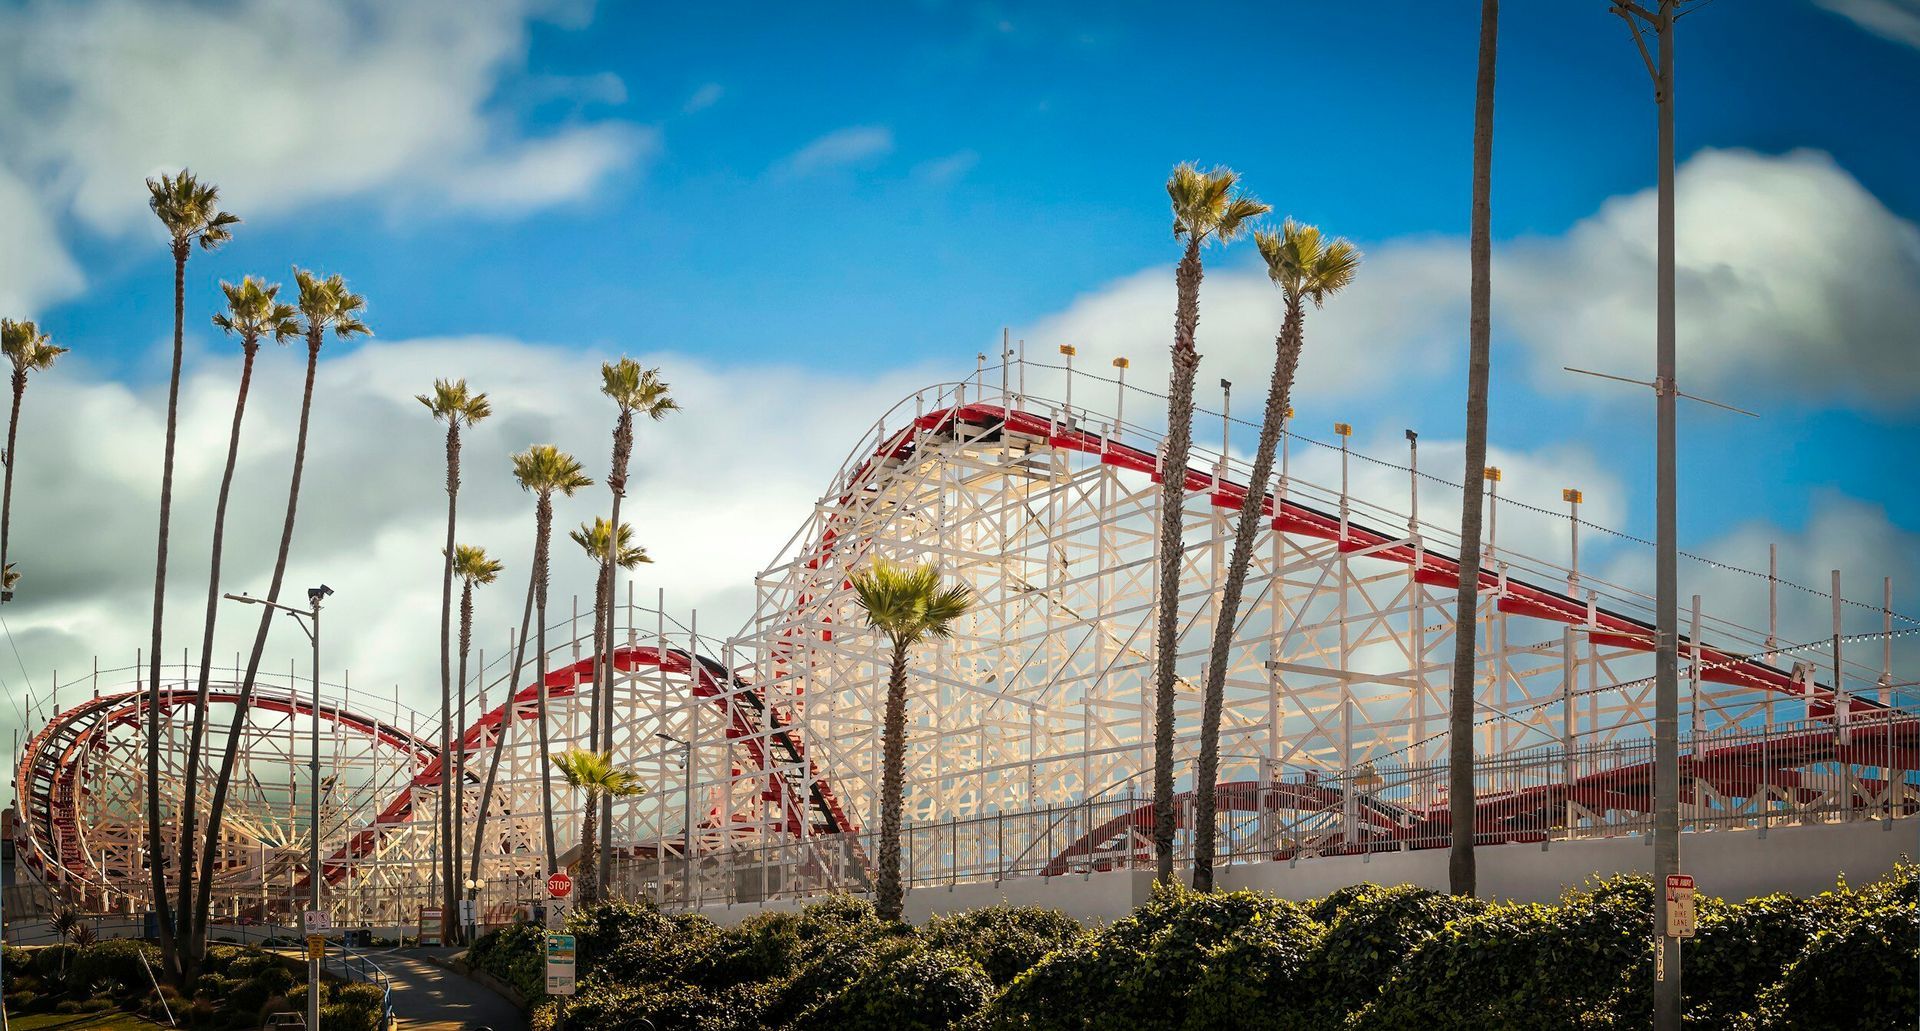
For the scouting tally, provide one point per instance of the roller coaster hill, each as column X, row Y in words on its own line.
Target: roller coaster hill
column 1029, row 744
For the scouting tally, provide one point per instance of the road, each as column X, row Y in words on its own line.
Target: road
column 429, row 997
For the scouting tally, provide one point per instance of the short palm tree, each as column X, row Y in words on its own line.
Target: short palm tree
column 253, row 311
column 634, row 390
column 1306, row 267
column 1206, row 206
column 452, row 403
column 475, row 569
column 325, row 305
column 544, row 470
column 65, row 923
column 190, row 211
column 906, row 606
column 30, row 351
column 595, row 772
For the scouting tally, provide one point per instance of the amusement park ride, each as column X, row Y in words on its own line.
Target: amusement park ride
column 1030, row 730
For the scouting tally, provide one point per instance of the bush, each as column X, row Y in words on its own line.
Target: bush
column 1741, row 949
column 348, row 1017
column 1145, row 970
column 1856, row 973
column 1585, row 963
column 22, row 1002
column 1003, row 940
column 118, row 961
column 50, row 959
column 514, row 955
column 922, row 990
column 660, row 1007
column 833, row 964
column 1371, row 929
column 67, row 1006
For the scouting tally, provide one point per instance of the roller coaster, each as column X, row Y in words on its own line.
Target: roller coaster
column 1030, row 730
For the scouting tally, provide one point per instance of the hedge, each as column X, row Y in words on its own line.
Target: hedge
column 1366, row 958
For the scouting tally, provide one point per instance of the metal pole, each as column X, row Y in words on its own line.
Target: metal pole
column 314, row 873
column 1666, row 759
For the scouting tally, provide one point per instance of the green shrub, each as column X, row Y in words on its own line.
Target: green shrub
column 50, row 959
column 96, row 1005
column 1856, row 973
column 23, row 1002
column 922, row 990
column 834, row 962
column 1370, row 930
column 348, row 1017
column 515, row 955
column 67, row 1006
column 118, row 961
column 1741, row 949
column 1584, row 963
column 1003, row 940
column 661, row 1007
column 1144, row 970
column 1256, row 978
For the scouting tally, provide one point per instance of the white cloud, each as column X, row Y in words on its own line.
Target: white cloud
column 716, row 491
column 1897, row 20
column 1791, row 278
column 838, row 149
column 35, row 268
column 705, row 97
column 947, row 169
column 285, row 103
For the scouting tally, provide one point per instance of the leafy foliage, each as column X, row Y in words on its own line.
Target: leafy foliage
column 1370, row 929
column 1856, row 972
column 1003, row 940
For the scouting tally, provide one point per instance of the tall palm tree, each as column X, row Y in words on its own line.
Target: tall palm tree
column 1460, row 872
column 594, row 771
column 452, row 403
column 475, row 569
column 190, row 211
column 253, row 311
column 30, row 351
column 596, row 539
column 1206, row 206
column 325, row 305
column 633, row 390
column 542, row 471
column 907, row 606
column 508, row 714
column 1306, row 267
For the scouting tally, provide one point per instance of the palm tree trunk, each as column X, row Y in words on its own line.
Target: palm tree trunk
column 460, row 745
column 589, row 887
column 13, row 437
column 156, row 857
column 543, row 522
column 617, row 483
column 1460, row 790
column 448, row 866
column 191, row 947
column 1173, row 485
column 888, row 895
column 1253, row 509
column 500, row 735
column 223, row 781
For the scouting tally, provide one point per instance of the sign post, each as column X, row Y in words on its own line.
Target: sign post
column 1680, row 910
column 560, row 963
column 429, row 933
column 559, row 901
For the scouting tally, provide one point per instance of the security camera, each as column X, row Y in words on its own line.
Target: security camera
column 314, row 594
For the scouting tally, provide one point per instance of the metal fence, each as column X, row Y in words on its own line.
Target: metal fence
column 1812, row 772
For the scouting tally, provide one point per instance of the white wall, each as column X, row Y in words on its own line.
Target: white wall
column 1729, row 864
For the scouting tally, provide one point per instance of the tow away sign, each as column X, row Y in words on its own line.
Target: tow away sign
column 1680, row 911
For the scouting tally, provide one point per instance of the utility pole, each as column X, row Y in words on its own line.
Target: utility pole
column 1666, row 654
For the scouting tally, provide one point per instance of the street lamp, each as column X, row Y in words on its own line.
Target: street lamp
column 309, row 620
column 686, row 816
column 474, row 886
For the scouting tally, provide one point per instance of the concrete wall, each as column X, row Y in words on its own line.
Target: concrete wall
column 1729, row 864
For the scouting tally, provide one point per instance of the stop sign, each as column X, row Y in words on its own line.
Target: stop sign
column 560, row 885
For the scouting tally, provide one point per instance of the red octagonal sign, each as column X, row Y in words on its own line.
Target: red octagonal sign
column 560, row 885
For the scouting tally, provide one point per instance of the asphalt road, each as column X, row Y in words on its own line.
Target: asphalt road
column 429, row 997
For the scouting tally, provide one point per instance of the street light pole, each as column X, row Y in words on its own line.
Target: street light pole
column 309, row 620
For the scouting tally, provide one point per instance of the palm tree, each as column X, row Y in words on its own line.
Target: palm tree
column 1306, row 267
column 633, row 389
column 1460, row 872
column 253, row 311
column 452, row 403
column 1206, row 206
column 475, row 569
column 508, row 714
column 542, row 470
column 65, row 923
column 595, row 539
column 907, row 606
column 324, row 304
column 594, row 771
column 30, row 351
column 190, row 211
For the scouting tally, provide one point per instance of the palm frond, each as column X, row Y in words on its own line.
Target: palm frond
column 27, row 348
column 190, row 209
column 1304, row 264
column 452, row 402
column 544, row 469
column 584, row 768
column 328, row 304
column 909, row 604
column 1209, row 204
column 592, row 538
column 637, row 389
column 471, row 564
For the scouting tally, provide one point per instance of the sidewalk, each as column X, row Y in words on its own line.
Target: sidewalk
column 427, row 995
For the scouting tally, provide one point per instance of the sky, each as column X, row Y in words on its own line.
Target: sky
column 802, row 215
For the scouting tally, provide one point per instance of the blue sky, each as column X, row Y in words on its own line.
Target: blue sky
column 868, row 196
